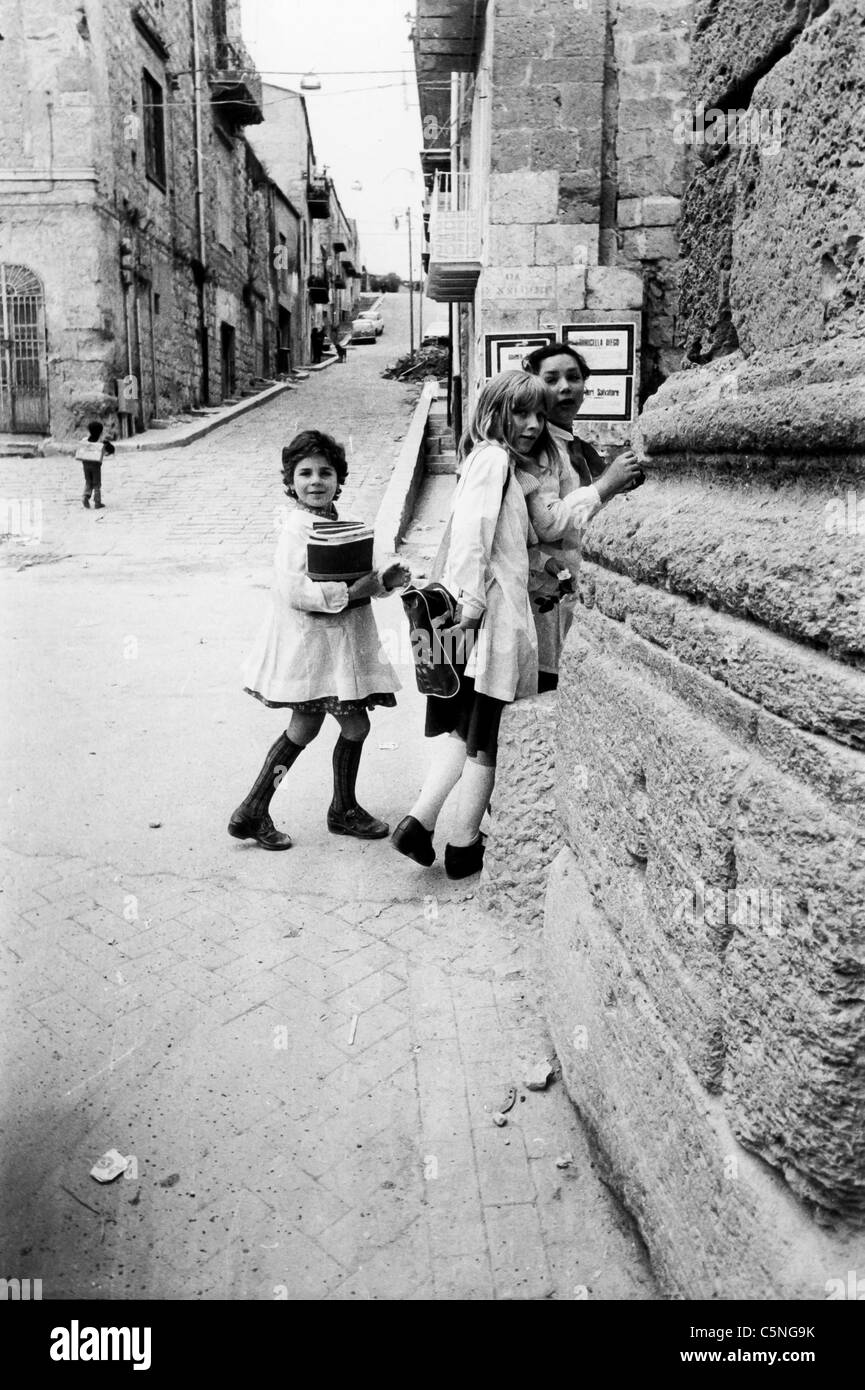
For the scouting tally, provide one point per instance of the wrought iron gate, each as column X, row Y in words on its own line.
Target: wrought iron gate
column 23, row 366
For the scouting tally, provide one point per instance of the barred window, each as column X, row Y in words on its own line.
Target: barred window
column 153, row 102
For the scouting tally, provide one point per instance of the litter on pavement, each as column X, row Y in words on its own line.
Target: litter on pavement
column 539, row 1076
column 109, row 1166
column 509, row 1102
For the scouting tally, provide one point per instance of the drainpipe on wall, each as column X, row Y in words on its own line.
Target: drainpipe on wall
column 199, row 203
column 456, row 318
column 153, row 354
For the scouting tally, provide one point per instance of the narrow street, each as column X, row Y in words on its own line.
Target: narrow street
column 302, row 1052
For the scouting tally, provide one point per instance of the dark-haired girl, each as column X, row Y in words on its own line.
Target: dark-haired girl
column 572, row 483
column 318, row 653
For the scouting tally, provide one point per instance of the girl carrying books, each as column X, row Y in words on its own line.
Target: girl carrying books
column 319, row 652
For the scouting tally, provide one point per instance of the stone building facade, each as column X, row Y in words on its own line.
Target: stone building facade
column 143, row 241
column 693, row 795
column 327, row 262
column 565, row 173
column 128, row 191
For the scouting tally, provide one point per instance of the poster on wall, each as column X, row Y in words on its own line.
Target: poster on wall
column 610, row 352
column 606, row 347
column 607, row 396
column 505, row 351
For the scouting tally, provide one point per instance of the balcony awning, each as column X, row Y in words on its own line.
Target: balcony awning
column 339, row 245
column 447, row 36
column 431, row 160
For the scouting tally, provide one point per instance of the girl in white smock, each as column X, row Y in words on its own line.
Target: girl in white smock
column 318, row 653
column 486, row 571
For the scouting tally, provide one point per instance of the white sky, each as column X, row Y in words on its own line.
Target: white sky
column 366, row 123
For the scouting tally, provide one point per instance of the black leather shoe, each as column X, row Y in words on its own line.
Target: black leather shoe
column 462, row 860
column 258, row 828
column 414, row 841
column 356, row 822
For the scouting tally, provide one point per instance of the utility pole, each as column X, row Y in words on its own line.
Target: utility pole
column 410, row 286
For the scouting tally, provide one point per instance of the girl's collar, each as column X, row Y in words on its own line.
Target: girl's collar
column 329, row 515
column 558, row 432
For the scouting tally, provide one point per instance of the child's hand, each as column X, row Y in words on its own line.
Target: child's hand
column 622, row 475
column 464, row 622
column 396, row 576
column 365, row 587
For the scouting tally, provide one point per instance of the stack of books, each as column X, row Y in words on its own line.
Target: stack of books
column 339, row 551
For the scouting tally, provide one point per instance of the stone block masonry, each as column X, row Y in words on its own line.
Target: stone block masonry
column 580, row 111
column 718, row 1223
column 525, row 834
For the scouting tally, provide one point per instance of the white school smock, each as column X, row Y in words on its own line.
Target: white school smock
column 559, row 511
column 487, row 571
column 312, row 645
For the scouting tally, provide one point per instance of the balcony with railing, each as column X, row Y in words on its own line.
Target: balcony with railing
column 454, row 240
column 318, row 286
column 235, row 86
column 318, row 195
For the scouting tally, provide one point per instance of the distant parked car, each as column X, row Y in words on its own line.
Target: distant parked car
column 363, row 331
column 376, row 318
column 438, row 332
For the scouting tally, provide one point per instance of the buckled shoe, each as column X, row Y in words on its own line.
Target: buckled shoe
column 258, row 828
column 356, row 822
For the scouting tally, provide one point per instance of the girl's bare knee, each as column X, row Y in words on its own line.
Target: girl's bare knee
column 354, row 727
column 482, row 759
column 304, row 727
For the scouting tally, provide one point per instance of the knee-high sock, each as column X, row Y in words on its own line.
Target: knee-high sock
column 449, row 757
column 346, row 761
column 475, row 790
column 279, row 759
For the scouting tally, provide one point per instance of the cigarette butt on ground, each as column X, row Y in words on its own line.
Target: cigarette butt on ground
column 352, row 1030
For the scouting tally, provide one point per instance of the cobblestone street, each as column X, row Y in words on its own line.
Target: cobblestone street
column 301, row 1052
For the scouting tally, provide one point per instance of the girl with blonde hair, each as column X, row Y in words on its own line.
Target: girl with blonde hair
column 486, row 570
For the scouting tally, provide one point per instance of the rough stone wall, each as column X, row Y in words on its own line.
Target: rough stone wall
column 801, row 271
column 651, row 52
column 51, row 158
column 704, row 961
column 718, row 1222
column 525, row 834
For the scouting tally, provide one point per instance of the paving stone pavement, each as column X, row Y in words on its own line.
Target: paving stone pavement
column 301, row 1053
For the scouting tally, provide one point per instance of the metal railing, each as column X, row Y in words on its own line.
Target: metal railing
column 455, row 223
column 231, row 55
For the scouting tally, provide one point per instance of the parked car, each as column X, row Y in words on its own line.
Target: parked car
column 363, row 331
column 438, row 332
column 376, row 318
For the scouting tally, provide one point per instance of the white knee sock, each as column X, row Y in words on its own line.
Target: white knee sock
column 475, row 790
column 449, row 756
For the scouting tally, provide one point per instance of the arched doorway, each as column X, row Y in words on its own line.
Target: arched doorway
column 23, row 364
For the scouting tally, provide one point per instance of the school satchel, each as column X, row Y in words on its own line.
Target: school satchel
column 90, row 452
column 431, row 611
column 439, row 652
